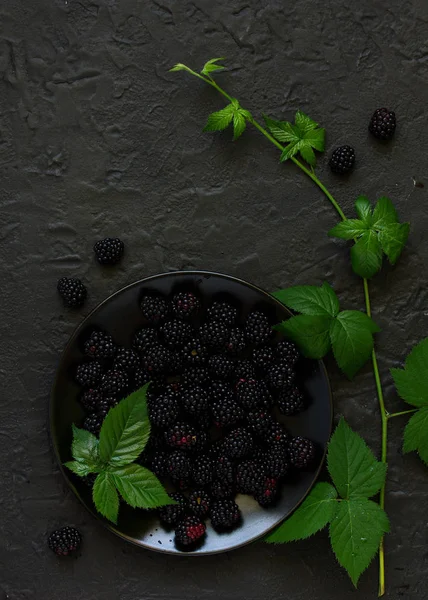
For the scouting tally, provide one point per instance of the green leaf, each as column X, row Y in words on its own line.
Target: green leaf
column 349, row 229
column 316, row 139
column 289, row 151
column 308, row 155
column 105, row 497
column 139, row 487
column 179, row 67
column 126, row 430
column 352, row 465
column 238, row 124
column 355, row 532
column 211, row 66
column 412, row 381
column 84, row 447
column 304, row 123
column 384, row 213
column 416, row 434
column 351, row 336
column 364, row 209
column 283, row 131
column 217, row 121
column 393, row 238
column 79, row 468
column 313, row 514
column 366, row 255
column 310, row 333
column 310, row 299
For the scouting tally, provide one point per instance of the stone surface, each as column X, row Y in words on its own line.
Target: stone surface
column 97, row 138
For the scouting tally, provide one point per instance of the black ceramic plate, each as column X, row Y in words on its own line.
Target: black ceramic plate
column 121, row 316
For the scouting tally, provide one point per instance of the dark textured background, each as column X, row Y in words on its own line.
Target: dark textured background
column 96, row 138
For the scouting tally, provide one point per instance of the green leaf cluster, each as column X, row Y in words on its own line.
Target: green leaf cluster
column 322, row 326
column 123, row 436
column 412, row 385
column 356, row 523
column 376, row 232
column 302, row 138
column 231, row 114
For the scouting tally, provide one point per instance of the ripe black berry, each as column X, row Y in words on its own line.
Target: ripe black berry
column 199, row 503
column 114, row 383
column 220, row 366
column 93, row 423
column 214, row 334
column 342, row 160
column 224, row 469
column 172, row 513
column 157, row 463
column 244, row 369
column 290, row 401
column 176, row 333
column 235, row 344
column 156, row 358
column 109, row 251
column 263, row 357
column 189, row 531
column 181, row 436
column 72, row 291
column 221, row 489
column 88, row 374
column 279, row 376
column 163, row 410
column 202, row 470
column 195, row 400
column 141, row 377
column 64, row 541
column 100, row 345
column 257, row 328
column 178, row 466
column 276, row 461
column 260, row 421
column 154, row 309
column 267, row 494
column 195, row 376
column 143, row 338
column 225, row 515
column 301, row 452
column 238, row 443
column 194, row 352
column 126, row 360
column 91, row 399
column 226, row 411
column 223, row 312
column 383, row 123
column 248, row 393
column 287, row 352
column 185, row 304
column 249, row 476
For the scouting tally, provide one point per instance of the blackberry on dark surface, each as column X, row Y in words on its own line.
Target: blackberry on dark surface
column 143, row 338
column 100, row 345
column 226, row 411
column 109, row 251
column 88, row 374
column 287, row 352
column 176, row 333
column 91, row 399
column 223, row 312
column 225, row 515
column 263, row 357
column 171, row 514
column 140, row 378
column 190, row 531
column 178, row 466
column 249, row 476
column 291, row 401
column 93, row 423
column 126, row 360
column 279, row 376
column 248, row 393
column 182, row 436
column 257, row 328
column 163, row 410
column 342, row 160
column 301, row 452
column 185, row 304
column 268, row 493
column 154, row 308
column 220, row 366
column 202, row 470
column 195, row 400
column 238, row 443
column 244, row 369
column 155, row 359
column 114, row 383
column 195, row 376
column 105, row 405
column 235, row 343
column 157, row 463
column 276, row 433
column 224, row 469
column 214, row 334
column 199, row 503
column 276, row 461
column 64, row 541
column 260, row 421
column 383, row 123
column 72, row 291
column 195, row 352
column 220, row 489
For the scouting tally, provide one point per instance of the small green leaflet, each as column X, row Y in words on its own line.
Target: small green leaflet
column 105, row 497
column 139, row 487
column 310, row 299
column 211, row 66
column 303, row 137
column 232, row 113
column 179, row 67
column 84, row 447
column 363, row 209
column 366, row 255
column 416, row 434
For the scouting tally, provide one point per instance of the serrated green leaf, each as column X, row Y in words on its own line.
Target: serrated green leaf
column 364, row 209
column 289, row 151
column 179, row 67
column 352, row 465
column 351, row 335
column 217, row 121
column 78, row 468
column 238, row 125
column 85, row 447
column 366, row 255
column 310, row 299
column 126, row 430
column 412, row 381
column 393, row 238
column 310, row 333
column 349, row 229
column 139, row 487
column 316, row 138
column 211, row 66
column 311, row 516
column 416, row 434
column 355, row 533
column 283, row 131
column 308, row 155
column 105, row 497
column 304, row 123
column 384, row 213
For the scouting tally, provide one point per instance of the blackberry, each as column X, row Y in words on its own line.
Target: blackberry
column 276, row 461
column 156, row 359
column 267, row 399
column 202, row 470
column 225, row 515
column 171, row 514
column 64, row 541
column 155, row 309
column 260, row 421
column 88, row 374
column 249, row 477
column 279, row 376
column 178, row 466
column 244, row 369
column 257, row 328
column 342, row 160
column 276, row 433
column 157, row 463
column 221, row 489
column 220, row 366
column 163, row 410
column 189, row 531
column 238, row 443
column 143, row 338
column 248, row 393
column 224, row 469
column 176, row 333
column 383, row 123
column 105, row 405
column 109, row 251
column 214, row 334
column 185, row 304
column 175, row 364
column 203, row 421
column 100, row 345
column 290, row 401
column 194, row 352
column 268, row 492
column 126, row 360
column 263, row 357
column 91, row 399
column 287, row 352
column 226, row 411
column 223, row 312
column 181, row 436
column 93, row 423
column 195, row 376
column 195, row 400
column 235, row 343
column 114, row 383
column 72, row 291
column 301, row 452
column 199, row 503
column 141, row 377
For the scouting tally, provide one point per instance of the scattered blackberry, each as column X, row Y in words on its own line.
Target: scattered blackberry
column 226, row 411
column 143, row 338
column 260, row 421
column 238, row 443
column 199, row 503
column 195, row 400
column 214, row 334
column 189, row 531
column 221, row 489
column 267, row 495
column 114, row 383
column 100, row 345
column 141, row 377
column 195, row 376
column 235, row 343
column 383, row 123
column 225, row 515
column 263, row 357
column 291, row 401
column 109, row 251
column 276, row 433
column 64, row 541
column 342, row 160
column 223, row 312
column 93, row 423
column 279, row 376
column 286, row 351
column 244, row 369
column 202, row 470
column 185, row 304
column 176, row 333
column 88, row 374
column 248, row 393
column 195, row 352
column 257, row 328
column 249, row 477
column 156, row 358
column 178, row 466
column 163, row 410
column 276, row 461
column 224, row 469
column 301, row 452
column 220, row 366
column 171, row 514
column 181, row 436
column 157, row 463
column 154, row 309
column 91, row 399
column 72, row 291
column 126, row 360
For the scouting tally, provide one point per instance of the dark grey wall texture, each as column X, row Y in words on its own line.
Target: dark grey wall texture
column 97, row 138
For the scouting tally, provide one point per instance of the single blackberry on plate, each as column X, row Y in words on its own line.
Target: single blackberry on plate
column 64, row 541
column 220, row 366
column 100, row 345
column 185, row 304
column 214, row 334
column 178, row 466
column 181, row 436
column 223, row 312
column 157, row 463
column 260, row 421
column 195, row 376
column 301, row 452
column 155, row 309
column 141, row 377
column 202, row 470
column 287, row 352
column 194, row 352
column 276, row 461
column 268, row 492
column 155, row 359
column 257, row 328
column 172, row 513
column 279, row 376
column 225, row 515
column 126, row 360
column 91, row 399
column 224, row 469
column 190, row 531
column 342, row 160
column 93, row 423
column 226, row 411
column 143, row 338
column 248, row 393
column 109, row 251
column 235, row 343
column 199, row 503
column 291, row 401
column 176, row 333
column 263, row 357
column 88, row 374
column 220, row 489
column 114, row 383
column 276, row 433
column 163, row 410
column 250, row 475
column 238, row 443
column 244, row 369
column 195, row 400
column 383, row 123
column 72, row 291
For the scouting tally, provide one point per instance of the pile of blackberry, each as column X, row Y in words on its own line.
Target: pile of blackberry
column 220, row 382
